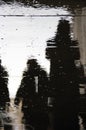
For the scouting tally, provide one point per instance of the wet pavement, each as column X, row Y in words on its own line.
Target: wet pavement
column 12, row 120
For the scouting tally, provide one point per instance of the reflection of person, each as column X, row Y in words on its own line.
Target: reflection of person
column 34, row 86
column 8, row 127
column 34, row 94
column 64, row 77
column 4, row 94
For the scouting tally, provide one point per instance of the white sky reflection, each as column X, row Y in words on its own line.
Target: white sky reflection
column 24, row 37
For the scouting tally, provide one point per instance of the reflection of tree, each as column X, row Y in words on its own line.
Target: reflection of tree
column 4, row 94
column 64, row 79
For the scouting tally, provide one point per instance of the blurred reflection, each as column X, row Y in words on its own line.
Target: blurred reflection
column 34, row 93
column 8, row 127
column 37, row 121
column 1, row 128
column 62, row 87
column 83, row 116
column 4, row 93
column 18, row 127
column 71, row 4
column 64, row 78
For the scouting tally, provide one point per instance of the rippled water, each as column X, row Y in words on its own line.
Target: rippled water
column 24, row 31
column 12, row 119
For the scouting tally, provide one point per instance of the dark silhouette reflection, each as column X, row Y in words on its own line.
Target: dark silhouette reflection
column 4, row 94
column 83, row 109
column 8, row 127
column 83, row 116
column 70, row 4
column 63, row 53
column 37, row 121
column 34, row 93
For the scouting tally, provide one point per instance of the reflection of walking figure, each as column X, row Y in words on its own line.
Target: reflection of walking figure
column 63, row 52
column 34, row 91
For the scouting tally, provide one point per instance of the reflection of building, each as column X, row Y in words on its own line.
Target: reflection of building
column 80, row 32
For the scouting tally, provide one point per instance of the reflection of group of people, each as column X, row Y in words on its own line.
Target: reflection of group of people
column 34, row 93
column 36, row 89
column 62, row 86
